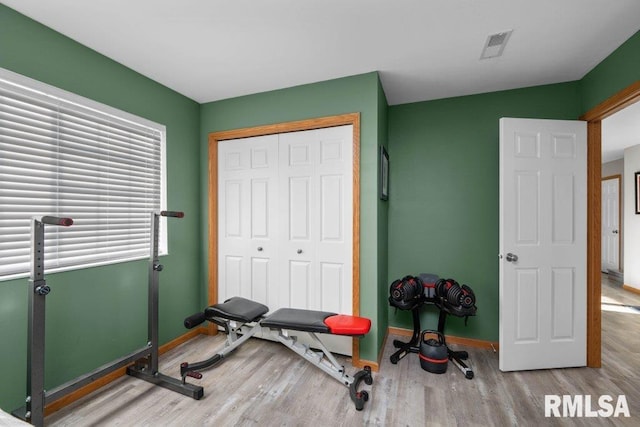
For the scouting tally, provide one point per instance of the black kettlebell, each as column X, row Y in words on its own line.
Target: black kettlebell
column 434, row 356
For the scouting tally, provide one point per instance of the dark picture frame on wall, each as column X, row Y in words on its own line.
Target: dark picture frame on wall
column 637, row 192
column 384, row 174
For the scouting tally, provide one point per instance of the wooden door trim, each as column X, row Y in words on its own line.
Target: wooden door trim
column 624, row 98
column 594, row 117
column 270, row 129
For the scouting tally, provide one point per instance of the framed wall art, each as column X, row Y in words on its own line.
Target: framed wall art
column 384, row 174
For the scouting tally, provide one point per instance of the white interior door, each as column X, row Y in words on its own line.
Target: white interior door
column 285, row 222
column 611, row 224
column 543, row 166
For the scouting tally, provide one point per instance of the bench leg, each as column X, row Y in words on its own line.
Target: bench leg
column 233, row 342
column 327, row 362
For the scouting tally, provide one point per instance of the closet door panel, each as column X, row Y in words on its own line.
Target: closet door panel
column 247, row 223
column 334, row 171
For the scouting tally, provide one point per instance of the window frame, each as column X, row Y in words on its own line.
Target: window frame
column 54, row 93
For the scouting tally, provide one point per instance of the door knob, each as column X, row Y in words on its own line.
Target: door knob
column 299, row 251
column 615, row 231
column 259, row 248
column 512, row 257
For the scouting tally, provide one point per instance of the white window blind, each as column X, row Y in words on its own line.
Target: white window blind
column 67, row 156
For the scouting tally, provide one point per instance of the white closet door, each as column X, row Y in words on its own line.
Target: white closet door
column 316, row 223
column 285, row 221
column 247, row 219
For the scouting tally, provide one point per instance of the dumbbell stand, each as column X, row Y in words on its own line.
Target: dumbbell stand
column 456, row 357
column 412, row 346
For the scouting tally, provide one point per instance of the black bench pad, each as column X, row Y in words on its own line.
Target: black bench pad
column 298, row 320
column 238, row 309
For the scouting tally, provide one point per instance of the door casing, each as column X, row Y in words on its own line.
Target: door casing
column 316, row 123
column 594, row 117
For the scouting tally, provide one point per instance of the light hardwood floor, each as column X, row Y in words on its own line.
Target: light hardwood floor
column 265, row 384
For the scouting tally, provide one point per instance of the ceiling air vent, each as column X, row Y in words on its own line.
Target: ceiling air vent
column 495, row 44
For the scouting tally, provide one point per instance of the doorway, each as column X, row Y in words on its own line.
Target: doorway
column 594, row 119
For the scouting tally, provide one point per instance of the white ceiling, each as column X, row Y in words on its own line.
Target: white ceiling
column 423, row 49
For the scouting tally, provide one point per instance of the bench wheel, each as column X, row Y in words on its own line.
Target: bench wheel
column 360, row 397
column 368, row 379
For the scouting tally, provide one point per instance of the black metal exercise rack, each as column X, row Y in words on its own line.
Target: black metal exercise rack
column 413, row 346
column 145, row 358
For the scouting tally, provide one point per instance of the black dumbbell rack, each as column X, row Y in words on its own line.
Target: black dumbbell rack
column 457, row 357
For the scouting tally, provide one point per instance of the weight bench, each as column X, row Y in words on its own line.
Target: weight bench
column 242, row 319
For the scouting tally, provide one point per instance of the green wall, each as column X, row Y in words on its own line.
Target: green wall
column 614, row 73
column 99, row 314
column 346, row 95
column 383, row 223
column 443, row 215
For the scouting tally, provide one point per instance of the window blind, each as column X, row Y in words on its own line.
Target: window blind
column 66, row 156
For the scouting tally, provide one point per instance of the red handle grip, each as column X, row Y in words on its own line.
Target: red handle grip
column 194, row 374
column 54, row 220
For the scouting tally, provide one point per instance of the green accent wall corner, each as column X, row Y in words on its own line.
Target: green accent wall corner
column 616, row 72
column 443, row 216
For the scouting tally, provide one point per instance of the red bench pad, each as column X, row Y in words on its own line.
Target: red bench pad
column 342, row 324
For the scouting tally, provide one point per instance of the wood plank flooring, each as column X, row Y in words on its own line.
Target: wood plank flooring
column 263, row 383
